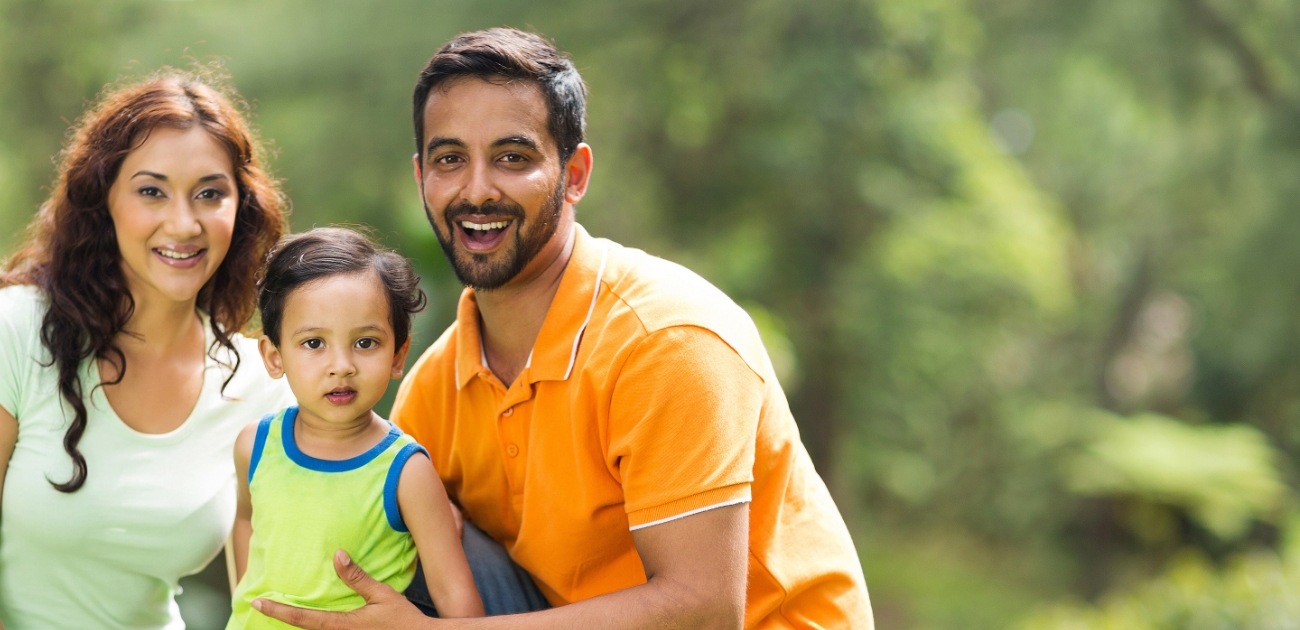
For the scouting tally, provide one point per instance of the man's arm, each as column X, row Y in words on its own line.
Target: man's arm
column 695, row 569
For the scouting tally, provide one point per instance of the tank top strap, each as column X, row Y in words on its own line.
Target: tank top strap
column 268, row 431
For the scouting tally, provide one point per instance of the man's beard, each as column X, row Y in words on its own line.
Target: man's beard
column 478, row 270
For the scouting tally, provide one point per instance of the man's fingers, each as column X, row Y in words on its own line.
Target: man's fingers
column 298, row 617
column 458, row 519
column 354, row 576
column 358, row 580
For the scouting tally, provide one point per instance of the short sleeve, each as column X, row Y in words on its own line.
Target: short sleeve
column 683, row 423
column 20, row 321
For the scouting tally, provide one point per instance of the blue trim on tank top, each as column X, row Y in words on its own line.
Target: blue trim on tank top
column 259, row 444
column 391, row 508
column 329, row 465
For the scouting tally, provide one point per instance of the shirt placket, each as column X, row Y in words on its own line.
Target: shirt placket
column 513, row 418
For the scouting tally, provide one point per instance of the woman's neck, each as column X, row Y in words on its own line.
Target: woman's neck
column 161, row 329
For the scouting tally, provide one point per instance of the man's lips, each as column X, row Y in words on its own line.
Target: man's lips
column 480, row 235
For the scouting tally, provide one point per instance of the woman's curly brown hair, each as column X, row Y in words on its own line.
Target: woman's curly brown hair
column 71, row 253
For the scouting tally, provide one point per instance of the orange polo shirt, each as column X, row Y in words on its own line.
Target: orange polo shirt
column 648, row 397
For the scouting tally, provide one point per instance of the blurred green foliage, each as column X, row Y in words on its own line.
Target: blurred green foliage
column 1027, row 268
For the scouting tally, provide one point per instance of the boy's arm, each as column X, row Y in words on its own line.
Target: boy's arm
column 243, row 529
column 426, row 511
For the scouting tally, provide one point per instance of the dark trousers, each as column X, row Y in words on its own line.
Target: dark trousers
column 504, row 586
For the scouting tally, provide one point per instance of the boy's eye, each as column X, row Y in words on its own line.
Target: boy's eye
column 313, row 344
column 366, row 343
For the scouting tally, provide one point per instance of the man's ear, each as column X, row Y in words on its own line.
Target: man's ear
column 419, row 172
column 577, row 173
column 399, row 359
column 270, row 357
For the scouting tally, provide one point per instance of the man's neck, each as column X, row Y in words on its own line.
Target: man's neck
column 511, row 317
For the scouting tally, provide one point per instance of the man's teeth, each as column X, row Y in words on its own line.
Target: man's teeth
column 483, row 227
column 175, row 255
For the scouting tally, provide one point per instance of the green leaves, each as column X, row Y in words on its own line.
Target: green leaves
column 1225, row 477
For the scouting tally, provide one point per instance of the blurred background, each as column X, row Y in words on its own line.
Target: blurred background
column 1026, row 268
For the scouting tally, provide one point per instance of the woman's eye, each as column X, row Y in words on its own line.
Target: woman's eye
column 313, row 344
column 151, row 191
column 212, row 194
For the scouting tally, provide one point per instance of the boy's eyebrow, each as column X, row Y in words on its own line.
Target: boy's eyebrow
column 308, row 329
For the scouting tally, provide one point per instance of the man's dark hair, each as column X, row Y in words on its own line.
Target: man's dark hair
column 327, row 251
column 511, row 54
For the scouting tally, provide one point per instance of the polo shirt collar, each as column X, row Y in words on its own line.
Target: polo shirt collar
column 558, row 341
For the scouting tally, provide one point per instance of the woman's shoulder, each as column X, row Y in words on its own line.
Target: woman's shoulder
column 22, row 306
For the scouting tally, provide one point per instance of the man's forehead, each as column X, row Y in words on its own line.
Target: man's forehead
column 487, row 109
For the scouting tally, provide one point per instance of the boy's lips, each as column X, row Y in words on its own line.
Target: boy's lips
column 341, row 396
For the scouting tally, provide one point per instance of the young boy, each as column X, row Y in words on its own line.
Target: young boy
column 330, row 473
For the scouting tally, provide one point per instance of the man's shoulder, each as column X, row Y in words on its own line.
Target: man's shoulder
column 658, row 294
column 662, row 293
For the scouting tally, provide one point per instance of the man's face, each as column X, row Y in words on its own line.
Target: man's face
column 493, row 184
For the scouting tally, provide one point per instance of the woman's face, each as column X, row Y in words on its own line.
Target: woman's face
column 173, row 206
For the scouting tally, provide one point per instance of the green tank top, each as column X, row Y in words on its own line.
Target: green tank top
column 305, row 508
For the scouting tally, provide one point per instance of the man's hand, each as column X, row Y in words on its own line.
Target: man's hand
column 385, row 608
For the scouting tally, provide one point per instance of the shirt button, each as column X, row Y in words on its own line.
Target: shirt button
column 512, row 450
column 508, row 412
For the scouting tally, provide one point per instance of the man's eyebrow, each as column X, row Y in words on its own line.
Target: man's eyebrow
column 519, row 140
column 523, row 141
column 439, row 142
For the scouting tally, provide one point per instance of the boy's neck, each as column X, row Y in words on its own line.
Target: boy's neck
column 338, row 441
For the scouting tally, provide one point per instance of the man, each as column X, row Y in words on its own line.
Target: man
column 608, row 417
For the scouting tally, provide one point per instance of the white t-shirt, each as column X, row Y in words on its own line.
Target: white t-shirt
column 154, row 508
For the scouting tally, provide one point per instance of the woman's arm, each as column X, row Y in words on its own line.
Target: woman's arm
column 427, row 514
column 243, row 529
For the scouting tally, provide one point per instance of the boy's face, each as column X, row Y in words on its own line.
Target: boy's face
column 337, row 348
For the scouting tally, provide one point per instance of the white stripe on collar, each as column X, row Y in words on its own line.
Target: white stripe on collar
column 573, row 354
column 600, row 274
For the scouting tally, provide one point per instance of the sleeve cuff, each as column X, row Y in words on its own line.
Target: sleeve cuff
column 702, row 502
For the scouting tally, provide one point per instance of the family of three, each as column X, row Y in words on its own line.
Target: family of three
column 598, row 440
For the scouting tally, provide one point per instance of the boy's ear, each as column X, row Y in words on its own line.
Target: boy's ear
column 399, row 358
column 270, row 357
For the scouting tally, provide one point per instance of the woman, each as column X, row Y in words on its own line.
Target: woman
column 123, row 377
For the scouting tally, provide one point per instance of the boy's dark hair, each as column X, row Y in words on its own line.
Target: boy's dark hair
column 327, row 251
column 511, row 54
